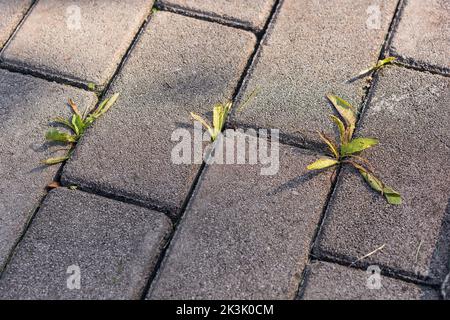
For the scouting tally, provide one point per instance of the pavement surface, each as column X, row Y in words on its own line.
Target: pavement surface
column 140, row 215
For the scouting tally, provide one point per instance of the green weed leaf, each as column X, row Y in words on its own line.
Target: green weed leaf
column 198, row 118
column 105, row 105
column 109, row 103
column 218, row 114
column 392, row 196
column 385, row 61
column 357, row 145
column 58, row 136
column 91, row 86
column 345, row 109
column 341, row 128
column 52, row 161
column 322, row 163
column 347, row 112
column 331, row 145
column 64, row 122
column 373, row 181
column 380, row 64
column 78, row 124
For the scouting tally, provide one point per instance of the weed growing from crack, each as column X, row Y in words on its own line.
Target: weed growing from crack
column 77, row 124
column 380, row 64
column 220, row 114
column 348, row 149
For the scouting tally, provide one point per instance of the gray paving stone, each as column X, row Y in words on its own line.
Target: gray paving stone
column 409, row 115
column 11, row 12
column 313, row 48
column 27, row 105
column 422, row 33
column 88, row 51
column 115, row 245
column 248, row 13
column 245, row 235
column 179, row 65
column 327, row 281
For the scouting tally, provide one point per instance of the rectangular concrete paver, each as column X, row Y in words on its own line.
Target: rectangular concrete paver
column 409, row 114
column 27, row 105
column 248, row 13
column 11, row 12
column 245, row 235
column 82, row 41
column 113, row 246
column 313, row 48
column 179, row 65
column 423, row 33
column 327, row 281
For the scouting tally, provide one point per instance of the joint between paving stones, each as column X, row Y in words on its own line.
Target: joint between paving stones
column 16, row 29
column 209, row 17
column 122, row 62
column 99, row 191
column 299, row 142
column 330, row 194
column 260, row 38
column 11, row 67
column 175, row 223
column 384, row 52
column 410, row 63
column 407, row 62
column 385, row 270
column 22, row 235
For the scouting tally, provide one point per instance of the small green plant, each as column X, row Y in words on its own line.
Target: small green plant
column 77, row 124
column 220, row 114
column 348, row 149
column 91, row 86
column 380, row 64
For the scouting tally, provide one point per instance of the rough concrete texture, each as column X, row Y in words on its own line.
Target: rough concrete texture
column 115, row 245
column 83, row 41
column 27, row 105
column 409, row 114
column 248, row 13
column 423, row 33
column 11, row 12
column 327, row 281
column 311, row 50
column 179, row 65
column 245, row 235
